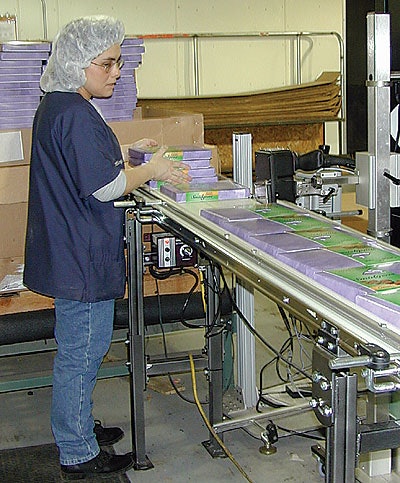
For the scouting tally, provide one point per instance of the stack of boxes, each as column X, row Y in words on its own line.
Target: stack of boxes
column 21, row 66
column 204, row 185
column 197, row 158
column 120, row 106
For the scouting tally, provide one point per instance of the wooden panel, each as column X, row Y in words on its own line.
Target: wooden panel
column 300, row 138
column 27, row 301
column 24, row 301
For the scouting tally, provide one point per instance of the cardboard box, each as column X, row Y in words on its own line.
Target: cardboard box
column 10, row 266
column 13, row 218
column 25, row 136
column 166, row 127
column 14, row 182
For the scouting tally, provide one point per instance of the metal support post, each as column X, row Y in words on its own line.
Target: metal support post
column 243, row 174
column 214, row 338
column 341, row 437
column 137, row 364
column 378, row 90
column 335, row 405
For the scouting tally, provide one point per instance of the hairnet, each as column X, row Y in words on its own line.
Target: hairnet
column 75, row 46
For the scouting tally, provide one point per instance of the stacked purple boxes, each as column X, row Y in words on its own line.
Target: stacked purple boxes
column 120, row 106
column 197, row 158
column 204, row 184
column 21, row 66
column 350, row 265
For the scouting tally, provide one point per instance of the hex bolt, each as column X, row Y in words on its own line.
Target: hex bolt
column 325, row 385
column 316, row 376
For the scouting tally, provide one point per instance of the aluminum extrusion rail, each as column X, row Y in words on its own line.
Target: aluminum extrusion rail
column 304, row 298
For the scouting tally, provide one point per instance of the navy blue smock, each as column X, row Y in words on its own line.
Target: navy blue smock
column 74, row 243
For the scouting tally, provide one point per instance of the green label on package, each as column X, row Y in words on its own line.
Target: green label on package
column 201, row 196
column 301, row 222
column 366, row 254
column 173, row 155
column 271, row 210
column 329, row 237
column 375, row 278
column 391, row 296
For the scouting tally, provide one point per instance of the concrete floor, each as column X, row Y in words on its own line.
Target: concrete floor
column 174, row 428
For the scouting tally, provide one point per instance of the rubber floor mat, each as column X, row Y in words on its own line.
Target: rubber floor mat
column 40, row 464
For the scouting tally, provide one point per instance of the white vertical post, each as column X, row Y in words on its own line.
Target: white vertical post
column 243, row 174
column 242, row 159
column 378, row 92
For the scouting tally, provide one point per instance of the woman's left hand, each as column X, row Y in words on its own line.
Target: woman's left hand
column 145, row 143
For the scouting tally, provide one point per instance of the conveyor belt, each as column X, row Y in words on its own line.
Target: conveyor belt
column 302, row 296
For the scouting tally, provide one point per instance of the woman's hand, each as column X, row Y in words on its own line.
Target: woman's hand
column 145, row 143
column 165, row 169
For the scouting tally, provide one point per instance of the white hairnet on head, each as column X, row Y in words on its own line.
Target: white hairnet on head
column 75, row 46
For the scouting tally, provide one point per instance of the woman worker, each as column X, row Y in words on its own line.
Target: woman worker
column 74, row 243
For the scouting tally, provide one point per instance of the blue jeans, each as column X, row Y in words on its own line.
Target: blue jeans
column 83, row 334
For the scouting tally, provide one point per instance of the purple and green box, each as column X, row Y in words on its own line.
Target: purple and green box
column 367, row 254
column 385, row 305
column 282, row 242
column 310, row 262
column 221, row 190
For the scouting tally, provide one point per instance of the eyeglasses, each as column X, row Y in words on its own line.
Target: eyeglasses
column 107, row 66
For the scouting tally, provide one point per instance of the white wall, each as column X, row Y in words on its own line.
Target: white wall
column 226, row 66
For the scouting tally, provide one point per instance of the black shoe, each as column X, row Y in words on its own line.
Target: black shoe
column 103, row 465
column 107, row 436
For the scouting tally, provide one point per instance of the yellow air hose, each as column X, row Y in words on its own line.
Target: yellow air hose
column 208, row 424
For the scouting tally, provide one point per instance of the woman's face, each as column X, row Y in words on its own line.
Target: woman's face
column 102, row 74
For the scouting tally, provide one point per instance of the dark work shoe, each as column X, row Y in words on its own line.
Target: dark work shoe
column 107, row 436
column 103, row 465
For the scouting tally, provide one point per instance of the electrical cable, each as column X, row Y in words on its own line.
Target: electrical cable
column 208, row 424
column 210, row 329
column 259, row 336
column 182, row 320
column 211, row 332
column 287, row 345
column 302, row 434
column 172, row 382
